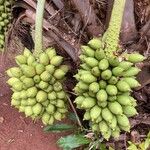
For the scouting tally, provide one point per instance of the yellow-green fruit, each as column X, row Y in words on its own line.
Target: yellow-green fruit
column 95, row 112
column 56, row 60
column 88, row 102
column 124, row 99
column 22, row 77
column 133, row 102
column 50, row 109
column 16, row 95
column 115, row 108
column 122, row 120
column 87, row 115
column 59, row 74
column 99, row 119
column 117, row 71
column 21, row 59
column 37, row 79
column 43, row 85
column 23, row 94
column 131, row 72
column 94, row 87
column 113, row 62
column 50, row 69
column 95, row 127
column 18, row 86
column 57, row 115
column 87, row 51
column 96, row 72
column 62, row 110
column 21, row 109
column 107, row 134
column 107, row 115
column 135, row 57
column 15, row 102
column 28, row 111
column 26, row 52
column 16, row 72
column 85, row 66
column 12, row 81
column 99, row 54
column 52, row 81
column 103, row 64
column 112, row 98
column 79, row 100
column 50, row 52
column 133, row 83
column 125, row 128
column 24, row 102
column 103, row 127
column 116, row 133
column 106, row 75
column 30, row 60
column 129, row 111
column 102, row 104
column 9, row 73
column 82, row 58
column 28, row 82
column 61, row 94
column 102, row 84
column 64, row 68
column 51, row 120
column 88, row 78
column 45, row 103
column 111, row 90
column 125, row 65
column 39, row 68
column 57, row 86
column 44, row 59
column 113, row 123
column 92, row 62
column 123, row 86
column 60, row 103
column 113, row 80
column 78, row 91
column 95, row 43
column 41, row 96
column 45, row 118
column 52, row 95
column 31, row 101
column 101, row 95
column 31, row 92
column 37, row 108
column 28, row 71
column 46, row 76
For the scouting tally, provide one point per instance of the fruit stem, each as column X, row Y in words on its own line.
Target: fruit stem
column 39, row 27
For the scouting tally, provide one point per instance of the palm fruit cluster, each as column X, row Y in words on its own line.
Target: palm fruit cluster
column 104, row 89
column 5, row 16
column 37, row 85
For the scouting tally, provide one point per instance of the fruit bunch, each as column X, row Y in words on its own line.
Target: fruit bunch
column 5, row 16
column 104, row 89
column 37, row 85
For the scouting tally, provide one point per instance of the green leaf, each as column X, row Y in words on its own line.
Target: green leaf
column 58, row 128
column 72, row 141
column 72, row 116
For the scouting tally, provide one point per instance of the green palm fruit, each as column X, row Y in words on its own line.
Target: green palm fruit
column 96, row 72
column 123, row 86
column 57, row 87
column 44, row 59
column 99, row 119
column 45, row 103
column 125, row 128
column 122, row 120
column 15, row 102
column 57, row 116
column 94, row 87
column 102, row 84
column 82, row 85
column 51, row 120
column 12, row 81
column 103, row 64
column 114, row 62
column 52, row 95
column 88, row 78
column 117, row 71
column 24, row 102
column 106, row 75
column 90, row 93
column 52, row 81
column 92, row 62
column 103, row 127
column 28, row 71
column 124, row 99
column 86, row 94
column 113, row 80
column 125, row 65
column 21, row 59
column 79, row 100
column 46, row 76
column 133, row 102
column 28, row 111
column 62, row 110
column 61, row 94
column 112, row 98
column 49, row 89
column 88, row 102
column 95, row 112
column 102, row 104
column 133, row 83
column 41, row 96
column 31, row 101
column 129, row 111
column 99, row 54
column 64, row 68
column 50, row 109
column 30, row 60
column 28, row 82
column 39, row 68
column 60, row 103
column 50, row 68
column 27, row 52
column 116, row 133
column 43, row 85
column 45, row 118
column 113, row 123
column 111, row 90
column 131, row 72
column 87, row 115
column 115, row 108
column 37, row 79
column 81, row 72
column 23, row 94
column 85, row 66
column 32, row 92
column 9, row 73
column 16, row 72
column 16, row 95
column 107, row 134
column 107, row 115
column 21, row 109
column 95, row 127
column 50, row 52
column 78, row 91
column 56, row 60
column 82, row 58
column 87, row 51
column 59, row 74
column 37, row 109
column 18, row 86
column 101, row 95
column 95, row 43
column 135, row 57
